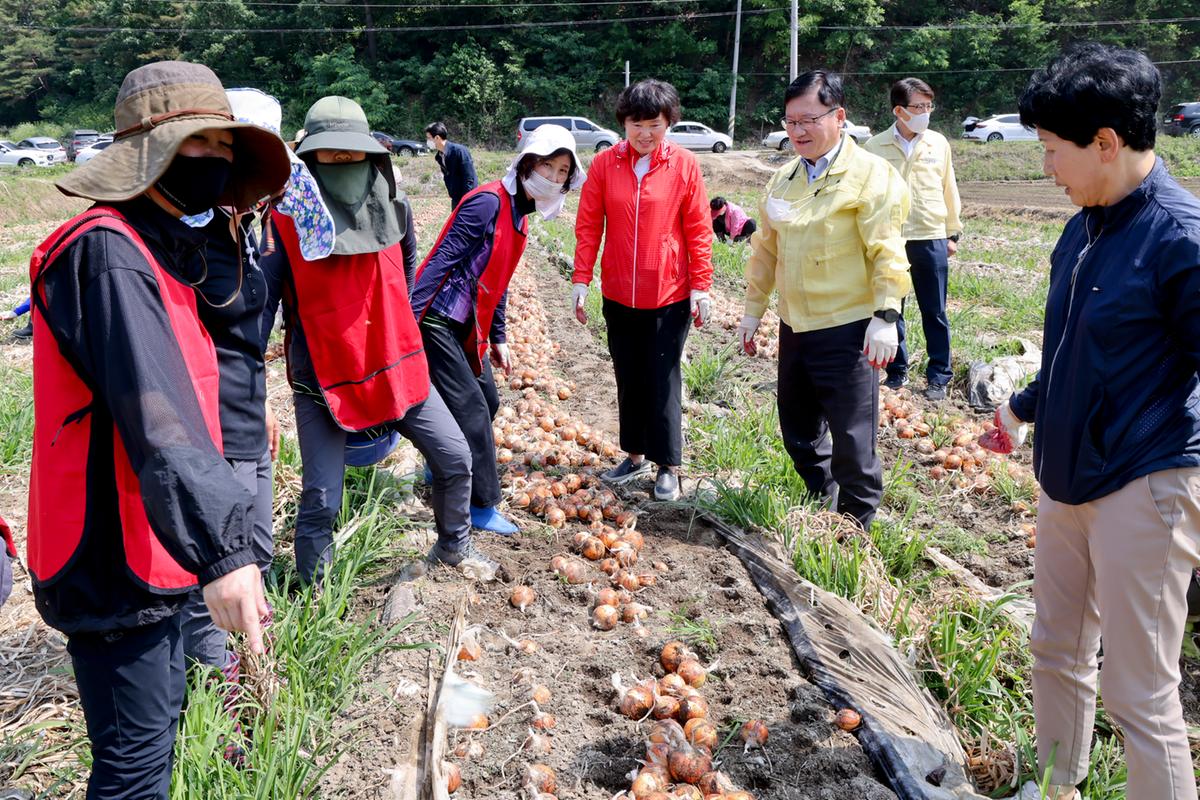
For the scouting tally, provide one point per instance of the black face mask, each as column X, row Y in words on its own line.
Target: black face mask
column 193, row 184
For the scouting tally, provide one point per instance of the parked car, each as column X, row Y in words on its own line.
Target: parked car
column 694, row 136
column 13, row 156
column 586, row 132
column 51, row 147
column 778, row 140
column 1183, row 120
column 401, row 147
column 997, row 128
column 79, row 139
column 89, row 152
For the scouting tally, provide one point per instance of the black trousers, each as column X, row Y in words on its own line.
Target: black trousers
column 646, row 345
column 721, row 233
column 473, row 402
column 829, row 414
column 131, row 686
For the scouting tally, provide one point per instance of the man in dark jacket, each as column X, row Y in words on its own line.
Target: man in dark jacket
column 1118, row 440
column 132, row 505
column 458, row 170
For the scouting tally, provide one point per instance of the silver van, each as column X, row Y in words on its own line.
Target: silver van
column 586, row 132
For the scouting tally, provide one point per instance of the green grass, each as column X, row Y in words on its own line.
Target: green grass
column 16, row 420
column 1008, row 161
column 708, row 373
column 321, row 649
column 693, row 629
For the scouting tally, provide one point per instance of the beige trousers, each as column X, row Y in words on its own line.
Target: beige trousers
column 1118, row 568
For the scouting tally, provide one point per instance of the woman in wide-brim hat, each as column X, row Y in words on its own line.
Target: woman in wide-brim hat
column 461, row 292
column 132, row 505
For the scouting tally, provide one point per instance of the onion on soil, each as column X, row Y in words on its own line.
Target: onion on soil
column 605, row 617
column 848, row 719
column 522, row 597
column 754, row 733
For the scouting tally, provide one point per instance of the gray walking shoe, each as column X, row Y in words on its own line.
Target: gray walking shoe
column 666, row 485
column 468, row 559
column 626, row 471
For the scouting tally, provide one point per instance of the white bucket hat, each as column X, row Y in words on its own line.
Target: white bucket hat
column 544, row 140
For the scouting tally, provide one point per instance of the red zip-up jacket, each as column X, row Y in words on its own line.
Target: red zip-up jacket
column 657, row 236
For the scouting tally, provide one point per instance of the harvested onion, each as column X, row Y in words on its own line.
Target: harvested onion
column 647, row 783
column 693, row 707
column 848, row 719
column 673, row 653
column 689, row 764
column 634, row 702
column 701, row 732
column 692, row 672
column 543, row 721
column 541, row 693
column 522, row 597
column 453, row 776
column 541, row 778
column 754, row 733
column 605, row 617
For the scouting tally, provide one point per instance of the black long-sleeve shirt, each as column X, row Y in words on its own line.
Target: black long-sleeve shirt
column 458, row 171
column 231, row 299
column 107, row 315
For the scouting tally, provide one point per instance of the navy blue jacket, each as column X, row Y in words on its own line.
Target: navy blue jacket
column 458, row 171
column 1117, row 396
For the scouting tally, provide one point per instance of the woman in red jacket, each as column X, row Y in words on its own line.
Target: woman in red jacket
column 647, row 197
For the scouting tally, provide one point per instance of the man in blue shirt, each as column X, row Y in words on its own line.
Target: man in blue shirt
column 458, row 170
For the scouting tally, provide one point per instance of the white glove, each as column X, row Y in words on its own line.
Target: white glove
column 881, row 342
column 579, row 293
column 7, row 315
column 1015, row 428
column 701, row 307
column 501, row 357
column 746, row 330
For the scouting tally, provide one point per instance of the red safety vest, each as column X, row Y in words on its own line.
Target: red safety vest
column 508, row 243
column 62, row 426
column 6, row 536
column 363, row 340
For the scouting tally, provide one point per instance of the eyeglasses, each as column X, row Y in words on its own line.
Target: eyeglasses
column 806, row 122
column 920, row 108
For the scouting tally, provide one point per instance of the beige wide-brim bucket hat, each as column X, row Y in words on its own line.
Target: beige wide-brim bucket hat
column 158, row 107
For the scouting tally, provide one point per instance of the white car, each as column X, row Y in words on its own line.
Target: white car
column 778, row 140
column 998, row 128
column 694, row 136
column 13, row 156
column 88, row 153
column 44, row 144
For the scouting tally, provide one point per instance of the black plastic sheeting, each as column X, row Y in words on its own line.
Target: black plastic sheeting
column 904, row 733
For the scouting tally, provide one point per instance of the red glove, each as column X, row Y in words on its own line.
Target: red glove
column 997, row 439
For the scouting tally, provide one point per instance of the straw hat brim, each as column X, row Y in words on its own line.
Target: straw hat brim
column 131, row 165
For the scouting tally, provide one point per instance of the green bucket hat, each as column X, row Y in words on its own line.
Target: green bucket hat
column 158, row 107
column 338, row 123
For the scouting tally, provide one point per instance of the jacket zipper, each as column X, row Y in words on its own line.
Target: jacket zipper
column 637, row 211
column 1070, row 306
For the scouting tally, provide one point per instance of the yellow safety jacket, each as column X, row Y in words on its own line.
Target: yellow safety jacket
column 930, row 176
column 837, row 254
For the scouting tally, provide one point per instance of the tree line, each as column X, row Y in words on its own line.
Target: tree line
column 482, row 64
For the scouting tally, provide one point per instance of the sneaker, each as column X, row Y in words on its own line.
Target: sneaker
column 489, row 519
column 935, row 392
column 468, row 559
column 1032, row 791
column 896, row 381
column 666, row 485
column 24, row 333
column 626, row 471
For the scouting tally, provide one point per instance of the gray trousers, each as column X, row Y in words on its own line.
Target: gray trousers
column 202, row 640
column 429, row 426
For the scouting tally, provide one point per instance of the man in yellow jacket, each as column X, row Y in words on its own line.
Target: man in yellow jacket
column 831, row 243
column 922, row 157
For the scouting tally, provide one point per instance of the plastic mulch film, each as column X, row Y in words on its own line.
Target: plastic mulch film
column 906, row 735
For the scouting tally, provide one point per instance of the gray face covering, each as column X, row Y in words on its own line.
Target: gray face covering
column 347, row 183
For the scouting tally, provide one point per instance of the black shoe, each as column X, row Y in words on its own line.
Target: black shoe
column 626, row 471
column 24, row 333
column 666, row 486
column 935, row 392
column 895, row 381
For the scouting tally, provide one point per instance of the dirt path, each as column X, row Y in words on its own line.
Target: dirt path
column 1043, row 195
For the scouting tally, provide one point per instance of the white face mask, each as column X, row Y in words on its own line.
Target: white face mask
column 432, row 145
column 778, row 209
column 918, row 123
column 547, row 195
column 197, row 220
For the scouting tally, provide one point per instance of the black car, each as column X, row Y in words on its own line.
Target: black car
column 79, row 139
column 1183, row 120
column 401, row 147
